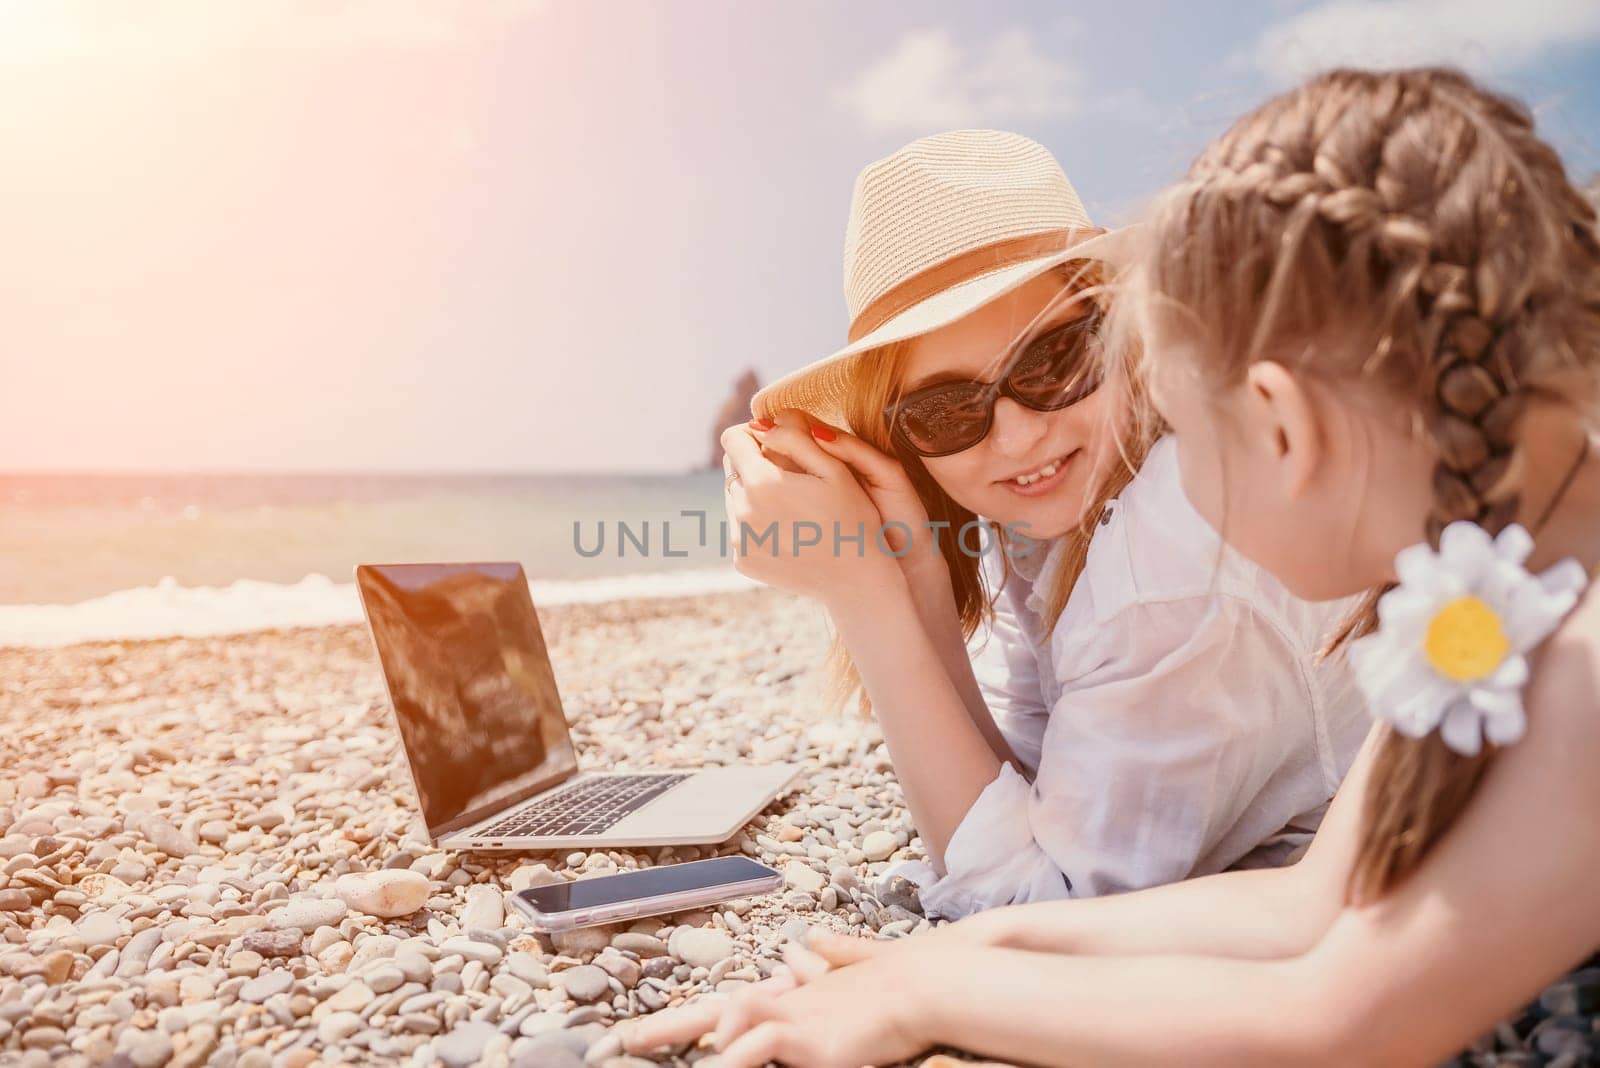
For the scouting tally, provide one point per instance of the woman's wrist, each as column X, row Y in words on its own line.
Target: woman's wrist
column 867, row 600
column 926, row 569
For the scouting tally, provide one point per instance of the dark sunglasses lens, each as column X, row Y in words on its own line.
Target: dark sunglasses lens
column 1059, row 369
column 945, row 420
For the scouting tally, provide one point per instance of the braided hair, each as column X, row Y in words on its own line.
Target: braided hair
column 1411, row 228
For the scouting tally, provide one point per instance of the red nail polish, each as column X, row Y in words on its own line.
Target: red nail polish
column 761, row 424
column 822, row 433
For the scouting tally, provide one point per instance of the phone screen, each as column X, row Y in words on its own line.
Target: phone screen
column 645, row 883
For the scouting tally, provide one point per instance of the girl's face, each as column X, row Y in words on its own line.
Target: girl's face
column 1033, row 471
column 1321, row 486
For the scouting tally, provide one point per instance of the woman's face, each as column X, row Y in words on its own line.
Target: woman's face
column 1057, row 455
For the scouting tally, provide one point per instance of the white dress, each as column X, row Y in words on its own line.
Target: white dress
column 1177, row 722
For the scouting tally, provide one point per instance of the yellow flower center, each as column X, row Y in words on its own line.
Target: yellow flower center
column 1465, row 641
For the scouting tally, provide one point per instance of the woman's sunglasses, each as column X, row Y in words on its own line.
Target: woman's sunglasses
column 1052, row 371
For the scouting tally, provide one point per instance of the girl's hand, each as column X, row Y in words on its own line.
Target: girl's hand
column 809, row 529
column 903, row 516
column 825, row 950
column 677, row 1027
column 867, row 1013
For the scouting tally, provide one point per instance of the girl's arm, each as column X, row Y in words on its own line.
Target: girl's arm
column 1502, row 905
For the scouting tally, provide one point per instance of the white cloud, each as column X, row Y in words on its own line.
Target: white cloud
column 931, row 81
column 1483, row 36
column 111, row 30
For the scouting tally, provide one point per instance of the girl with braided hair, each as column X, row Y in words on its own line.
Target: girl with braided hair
column 1372, row 313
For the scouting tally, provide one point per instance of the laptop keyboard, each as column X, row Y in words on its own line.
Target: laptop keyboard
column 589, row 806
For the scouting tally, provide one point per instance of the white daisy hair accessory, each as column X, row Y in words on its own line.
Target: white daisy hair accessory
column 1451, row 649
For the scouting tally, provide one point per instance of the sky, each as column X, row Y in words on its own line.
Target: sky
column 546, row 235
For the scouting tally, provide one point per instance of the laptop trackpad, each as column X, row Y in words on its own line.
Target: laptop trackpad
column 709, row 807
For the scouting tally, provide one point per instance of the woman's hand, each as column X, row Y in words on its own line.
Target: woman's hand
column 807, row 526
column 903, row 516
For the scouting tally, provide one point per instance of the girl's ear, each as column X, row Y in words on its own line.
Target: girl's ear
column 1287, row 423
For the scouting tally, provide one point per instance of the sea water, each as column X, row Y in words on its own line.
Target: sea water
column 90, row 557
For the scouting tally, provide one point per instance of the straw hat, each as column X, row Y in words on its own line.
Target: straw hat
column 937, row 230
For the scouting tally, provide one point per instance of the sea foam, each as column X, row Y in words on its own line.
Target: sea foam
column 168, row 610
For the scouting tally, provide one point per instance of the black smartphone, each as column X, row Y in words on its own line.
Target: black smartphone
column 646, row 892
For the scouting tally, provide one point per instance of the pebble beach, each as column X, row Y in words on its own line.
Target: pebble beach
column 211, row 857
column 210, row 854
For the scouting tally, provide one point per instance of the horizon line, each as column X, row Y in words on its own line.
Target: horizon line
column 353, row 472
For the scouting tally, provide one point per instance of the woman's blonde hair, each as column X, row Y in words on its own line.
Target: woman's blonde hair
column 1411, row 228
column 876, row 379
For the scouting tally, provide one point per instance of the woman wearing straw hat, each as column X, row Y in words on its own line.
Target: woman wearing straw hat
column 1147, row 705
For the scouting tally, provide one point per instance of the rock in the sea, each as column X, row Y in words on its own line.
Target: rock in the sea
column 736, row 409
column 387, row 893
column 701, row 947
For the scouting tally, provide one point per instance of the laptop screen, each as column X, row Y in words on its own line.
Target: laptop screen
column 471, row 684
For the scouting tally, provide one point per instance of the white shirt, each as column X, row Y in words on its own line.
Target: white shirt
column 1177, row 722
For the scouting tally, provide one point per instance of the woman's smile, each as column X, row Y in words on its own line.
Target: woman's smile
column 1041, row 479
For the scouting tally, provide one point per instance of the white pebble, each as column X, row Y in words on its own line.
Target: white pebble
column 387, row 894
column 879, row 845
column 700, row 947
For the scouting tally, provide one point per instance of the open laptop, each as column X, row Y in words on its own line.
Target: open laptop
column 486, row 739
